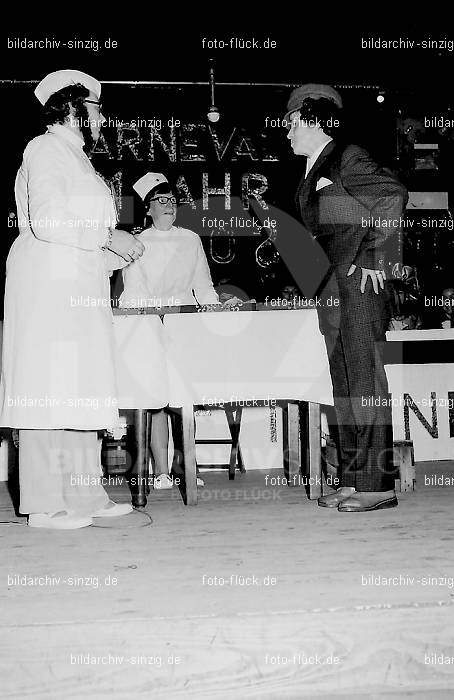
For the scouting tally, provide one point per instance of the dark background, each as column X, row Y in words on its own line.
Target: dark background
column 322, row 48
column 166, row 48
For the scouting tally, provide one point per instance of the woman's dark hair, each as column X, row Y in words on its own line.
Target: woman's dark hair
column 58, row 106
column 328, row 115
column 162, row 188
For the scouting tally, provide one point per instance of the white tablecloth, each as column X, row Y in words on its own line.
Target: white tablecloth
column 225, row 357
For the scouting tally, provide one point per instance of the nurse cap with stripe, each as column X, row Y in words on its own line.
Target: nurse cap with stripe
column 146, row 183
column 62, row 78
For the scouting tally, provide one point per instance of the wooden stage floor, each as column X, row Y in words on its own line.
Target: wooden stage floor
column 254, row 593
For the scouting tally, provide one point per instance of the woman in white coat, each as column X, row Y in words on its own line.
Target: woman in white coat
column 173, row 271
column 58, row 382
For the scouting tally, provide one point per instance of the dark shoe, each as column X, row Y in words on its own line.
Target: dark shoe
column 360, row 502
column 332, row 500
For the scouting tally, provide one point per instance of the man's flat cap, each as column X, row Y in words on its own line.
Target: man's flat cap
column 313, row 90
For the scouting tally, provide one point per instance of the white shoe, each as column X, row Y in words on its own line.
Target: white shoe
column 163, row 481
column 200, row 482
column 62, row 520
column 113, row 510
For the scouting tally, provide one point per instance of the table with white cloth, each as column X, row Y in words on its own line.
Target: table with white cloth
column 212, row 358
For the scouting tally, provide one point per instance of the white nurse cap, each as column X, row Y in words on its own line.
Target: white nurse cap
column 62, row 78
column 147, row 182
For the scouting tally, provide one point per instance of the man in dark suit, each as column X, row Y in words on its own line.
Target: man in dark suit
column 353, row 208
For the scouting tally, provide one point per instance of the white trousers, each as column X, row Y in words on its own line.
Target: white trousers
column 60, row 470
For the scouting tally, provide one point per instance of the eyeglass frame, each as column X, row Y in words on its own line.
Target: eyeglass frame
column 93, row 102
column 172, row 200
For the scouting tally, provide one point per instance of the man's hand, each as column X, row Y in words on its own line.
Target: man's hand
column 377, row 278
column 126, row 245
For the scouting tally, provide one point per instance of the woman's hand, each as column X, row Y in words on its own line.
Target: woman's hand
column 126, row 245
column 232, row 301
column 377, row 277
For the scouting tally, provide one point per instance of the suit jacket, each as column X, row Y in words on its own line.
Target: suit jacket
column 355, row 219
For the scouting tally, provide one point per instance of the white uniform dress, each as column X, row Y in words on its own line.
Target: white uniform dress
column 172, row 271
column 58, row 345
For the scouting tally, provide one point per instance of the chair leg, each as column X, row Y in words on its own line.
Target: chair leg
column 189, row 456
column 407, row 476
column 234, row 421
column 100, row 439
column 292, row 443
column 315, row 450
column 148, row 450
column 241, row 466
column 140, row 470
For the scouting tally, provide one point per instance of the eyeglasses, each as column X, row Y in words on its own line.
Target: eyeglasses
column 164, row 200
column 93, row 102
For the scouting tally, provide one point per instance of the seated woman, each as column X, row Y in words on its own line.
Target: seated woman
column 172, row 271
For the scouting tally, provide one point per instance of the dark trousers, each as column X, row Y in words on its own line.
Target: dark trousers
column 354, row 326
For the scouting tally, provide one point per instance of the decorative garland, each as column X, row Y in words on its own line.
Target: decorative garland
column 273, row 424
column 216, row 257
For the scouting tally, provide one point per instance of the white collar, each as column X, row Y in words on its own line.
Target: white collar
column 311, row 160
column 158, row 231
column 66, row 133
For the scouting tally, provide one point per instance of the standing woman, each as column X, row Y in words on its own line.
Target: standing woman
column 58, row 382
column 173, row 271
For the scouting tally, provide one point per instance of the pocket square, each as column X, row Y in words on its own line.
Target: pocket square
column 323, row 182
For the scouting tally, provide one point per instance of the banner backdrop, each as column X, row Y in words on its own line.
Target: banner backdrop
column 235, row 179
